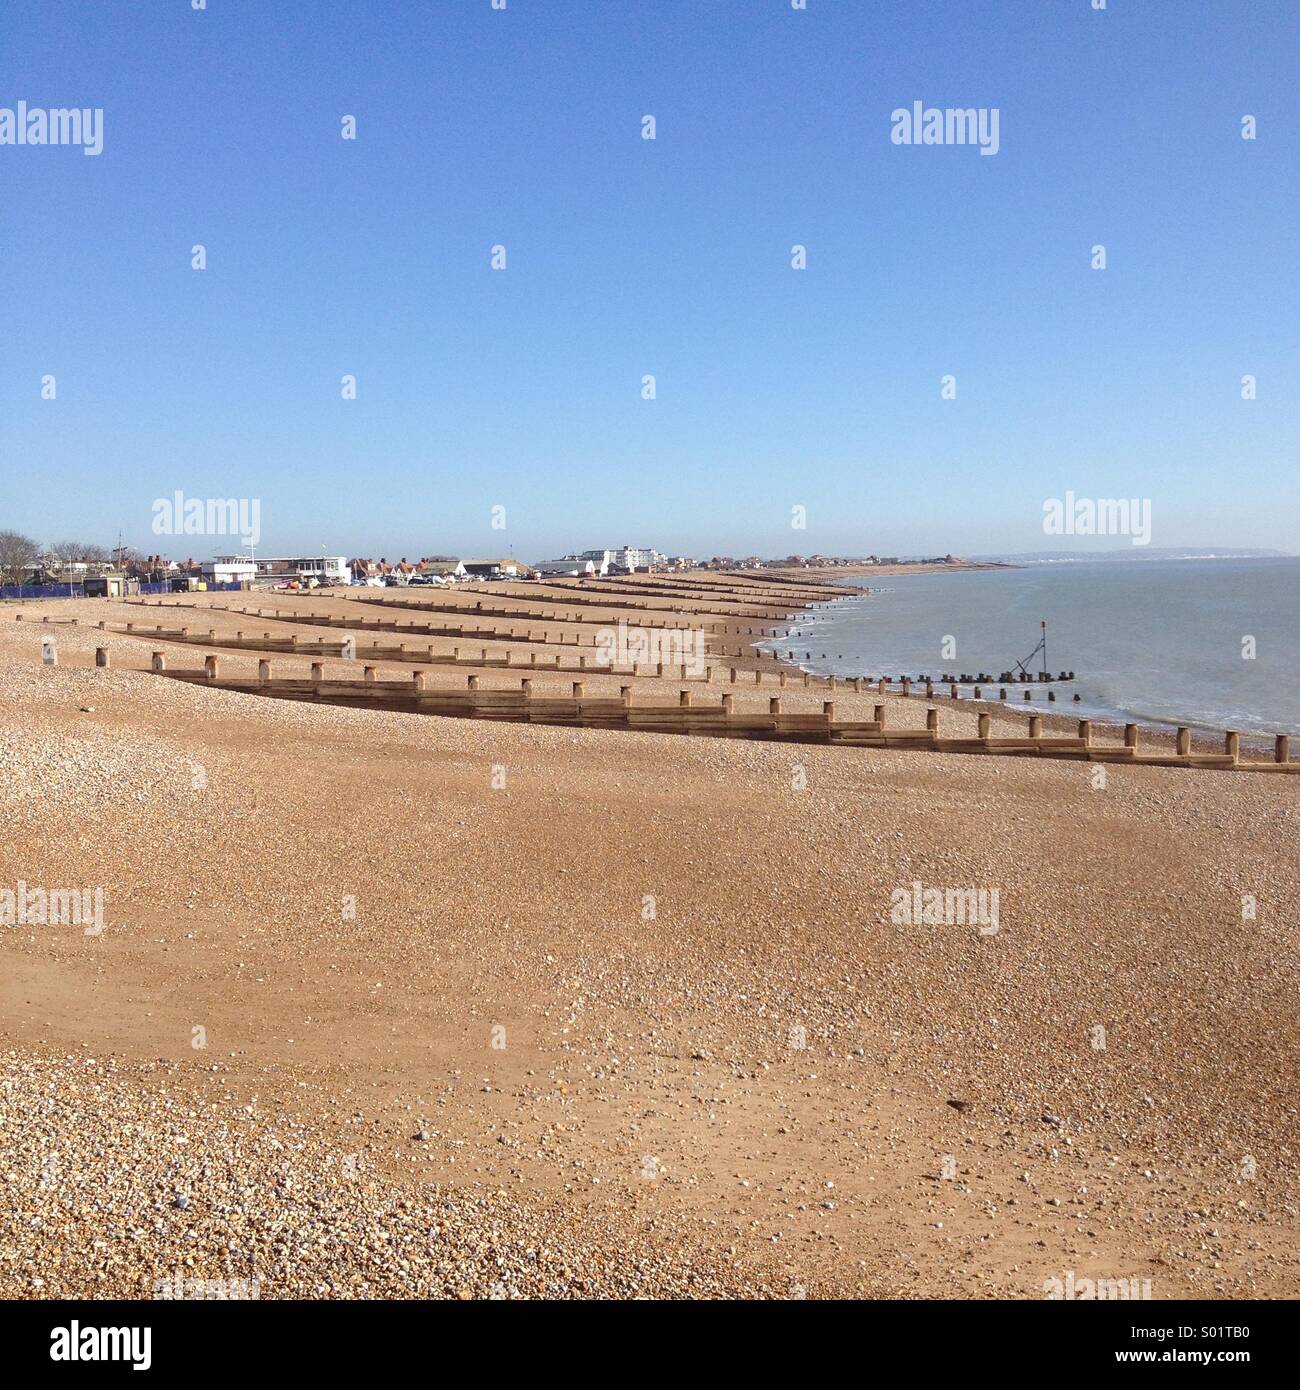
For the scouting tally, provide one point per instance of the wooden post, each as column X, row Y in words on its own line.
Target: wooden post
column 1035, row 726
column 1002, row 692
column 682, row 672
column 932, row 720
column 878, row 715
column 1085, row 731
column 983, row 726
column 1130, row 735
column 683, row 697
column 625, row 694
column 368, row 675
column 830, row 682
column 907, row 685
column 659, row 668
column 807, row 680
column 264, row 672
column 1232, row 746
column 526, row 685
column 758, row 679
column 882, row 685
column 293, row 640
column 733, row 675
column 952, row 690
column 728, row 704
column 317, row 672
column 210, row 668
column 102, row 657
column 781, row 679
column 828, row 709
column 1282, row 749
column 578, row 690
column 978, row 695
column 1183, row 741
column 418, row 679
column 929, row 690
column 774, row 705
column 857, row 685
column 1029, row 694
column 159, row 661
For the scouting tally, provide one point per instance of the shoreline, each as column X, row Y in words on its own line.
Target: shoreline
column 1206, row 737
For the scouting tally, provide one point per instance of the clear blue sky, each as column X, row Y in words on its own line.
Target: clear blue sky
column 775, row 387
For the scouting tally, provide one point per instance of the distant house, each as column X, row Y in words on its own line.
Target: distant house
column 603, row 560
column 568, row 565
column 491, row 569
column 442, row 567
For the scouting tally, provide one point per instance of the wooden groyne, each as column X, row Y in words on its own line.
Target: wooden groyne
column 723, row 720
column 592, row 596
column 363, row 626
column 536, row 615
column 345, row 649
column 714, row 601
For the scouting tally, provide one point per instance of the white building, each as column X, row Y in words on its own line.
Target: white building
column 636, row 557
column 229, row 569
column 601, row 559
column 574, row 565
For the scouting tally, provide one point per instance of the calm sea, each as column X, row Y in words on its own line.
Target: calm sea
column 1158, row 641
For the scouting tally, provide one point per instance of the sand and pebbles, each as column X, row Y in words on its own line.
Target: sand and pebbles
column 407, row 1007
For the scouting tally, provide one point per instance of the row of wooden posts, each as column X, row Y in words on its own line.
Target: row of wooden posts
column 434, row 630
column 294, row 646
column 592, row 599
column 722, row 719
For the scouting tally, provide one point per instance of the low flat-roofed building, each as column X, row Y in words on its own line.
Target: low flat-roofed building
column 567, row 565
column 334, row 568
column 229, row 569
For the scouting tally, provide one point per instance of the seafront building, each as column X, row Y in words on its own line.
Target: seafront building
column 333, row 569
column 572, row 565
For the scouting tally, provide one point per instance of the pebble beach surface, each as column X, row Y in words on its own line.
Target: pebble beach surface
column 389, row 1005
